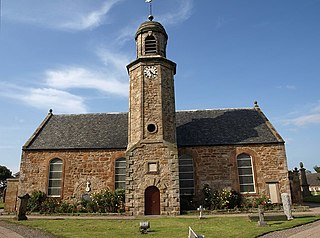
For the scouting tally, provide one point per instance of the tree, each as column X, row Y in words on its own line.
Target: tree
column 316, row 168
column 5, row 173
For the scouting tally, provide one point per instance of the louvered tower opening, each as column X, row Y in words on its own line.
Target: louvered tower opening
column 150, row 45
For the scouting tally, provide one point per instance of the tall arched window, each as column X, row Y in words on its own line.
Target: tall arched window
column 55, row 178
column 120, row 173
column 150, row 45
column 245, row 171
column 186, row 175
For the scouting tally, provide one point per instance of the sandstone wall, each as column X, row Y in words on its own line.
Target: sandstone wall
column 79, row 166
column 166, row 178
column 217, row 166
column 11, row 195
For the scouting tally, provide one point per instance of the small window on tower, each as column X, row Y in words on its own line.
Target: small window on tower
column 150, row 45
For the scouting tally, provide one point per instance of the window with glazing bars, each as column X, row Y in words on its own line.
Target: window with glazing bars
column 120, row 173
column 245, row 171
column 186, row 175
column 55, row 178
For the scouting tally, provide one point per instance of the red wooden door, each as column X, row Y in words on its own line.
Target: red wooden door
column 152, row 201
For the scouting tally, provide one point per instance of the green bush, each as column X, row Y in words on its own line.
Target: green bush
column 102, row 202
column 35, row 201
column 220, row 199
column 106, row 201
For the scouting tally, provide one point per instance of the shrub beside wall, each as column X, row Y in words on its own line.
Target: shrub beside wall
column 105, row 201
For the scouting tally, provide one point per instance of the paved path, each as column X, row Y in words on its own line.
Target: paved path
column 6, row 233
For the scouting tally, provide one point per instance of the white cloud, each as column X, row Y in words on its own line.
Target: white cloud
column 59, row 14
column 91, row 19
column 180, row 14
column 77, row 77
column 113, row 60
column 305, row 120
column 311, row 117
column 45, row 98
column 288, row 87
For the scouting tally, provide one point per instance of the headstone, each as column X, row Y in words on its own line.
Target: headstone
column 22, row 211
column 144, row 227
column 295, row 186
column 304, row 183
column 261, row 221
column 86, row 197
column 286, row 205
column 201, row 209
column 192, row 234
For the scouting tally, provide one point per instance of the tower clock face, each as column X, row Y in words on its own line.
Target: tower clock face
column 150, row 71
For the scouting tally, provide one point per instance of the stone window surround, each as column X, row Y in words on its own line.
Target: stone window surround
column 252, row 168
column 151, row 123
column 62, row 177
column 150, row 34
column 188, row 154
column 115, row 163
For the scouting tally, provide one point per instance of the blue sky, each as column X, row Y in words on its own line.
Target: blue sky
column 71, row 56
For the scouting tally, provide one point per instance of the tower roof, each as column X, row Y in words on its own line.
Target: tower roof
column 151, row 26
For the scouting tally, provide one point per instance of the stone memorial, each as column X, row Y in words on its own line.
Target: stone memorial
column 286, row 205
column 192, row 234
column 22, row 211
column 304, row 182
column 201, row 209
column 261, row 221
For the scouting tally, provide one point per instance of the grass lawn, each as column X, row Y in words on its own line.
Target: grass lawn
column 162, row 227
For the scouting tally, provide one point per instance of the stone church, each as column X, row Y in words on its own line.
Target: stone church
column 159, row 155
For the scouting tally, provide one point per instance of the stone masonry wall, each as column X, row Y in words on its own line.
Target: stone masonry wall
column 166, row 178
column 217, row 166
column 80, row 166
column 11, row 195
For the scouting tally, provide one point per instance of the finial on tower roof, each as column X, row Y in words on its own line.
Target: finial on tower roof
column 150, row 17
column 256, row 104
column 50, row 111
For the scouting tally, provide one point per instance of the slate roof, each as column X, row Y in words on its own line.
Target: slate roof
column 313, row 179
column 194, row 128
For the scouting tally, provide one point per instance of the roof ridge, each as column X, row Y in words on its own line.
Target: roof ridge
column 92, row 113
column 216, row 109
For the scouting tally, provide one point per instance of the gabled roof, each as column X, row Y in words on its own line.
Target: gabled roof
column 313, row 179
column 194, row 128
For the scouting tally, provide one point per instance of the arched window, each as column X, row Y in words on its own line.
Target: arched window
column 186, row 175
column 245, row 171
column 150, row 45
column 55, row 178
column 120, row 173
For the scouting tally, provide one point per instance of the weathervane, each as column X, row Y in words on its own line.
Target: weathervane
column 150, row 15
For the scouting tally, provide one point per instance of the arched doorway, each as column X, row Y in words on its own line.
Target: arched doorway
column 152, row 201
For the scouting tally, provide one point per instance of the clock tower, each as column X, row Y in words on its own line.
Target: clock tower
column 152, row 177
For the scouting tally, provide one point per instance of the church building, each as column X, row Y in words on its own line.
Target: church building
column 157, row 154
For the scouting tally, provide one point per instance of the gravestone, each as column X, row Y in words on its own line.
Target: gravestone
column 304, row 182
column 286, row 205
column 144, row 227
column 201, row 209
column 22, row 211
column 192, row 234
column 261, row 221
